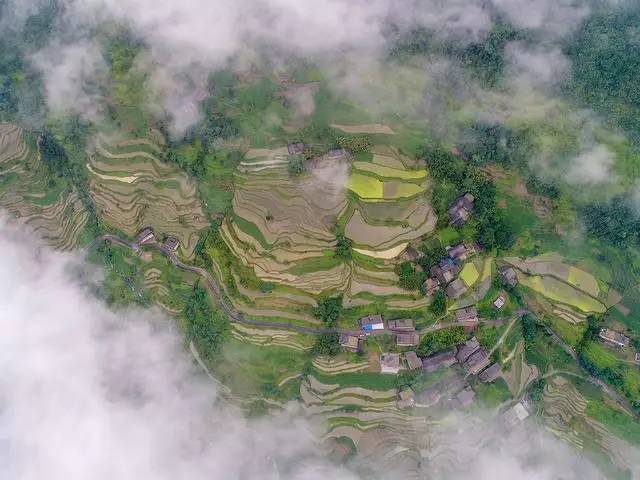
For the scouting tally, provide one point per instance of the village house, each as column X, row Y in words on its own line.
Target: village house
column 476, row 361
column 406, row 399
column 464, row 351
column 145, row 236
column 461, row 252
column 516, row 414
column 402, row 325
column 461, row 210
column 500, row 301
column 467, row 317
column 350, row 342
column 430, row 286
column 613, row 338
column 445, row 271
column 371, row 323
column 407, row 339
column 491, row 373
column 509, row 276
column 413, row 362
column 455, row 289
column 410, row 254
column 295, row 148
column 465, row 397
column 390, row 363
column 171, row 243
column 443, row 389
column 439, row 360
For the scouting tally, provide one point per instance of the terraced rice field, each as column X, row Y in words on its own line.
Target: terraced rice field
column 366, row 187
column 370, row 418
column 150, row 193
column 389, row 172
column 366, row 128
column 561, row 292
column 54, row 212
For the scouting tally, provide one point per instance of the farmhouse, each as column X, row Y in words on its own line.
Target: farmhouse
column 461, row 252
column 465, row 397
column 500, row 301
column 509, row 276
column 295, row 148
column 476, row 361
column 461, row 210
column 145, row 236
column 390, row 363
column 614, row 338
column 465, row 350
column 516, row 414
column 402, row 325
column 410, row 254
column 407, row 339
column 406, row 399
column 445, row 271
column 413, row 361
column 491, row 373
column 350, row 342
column 431, row 285
column 467, row 317
column 439, row 360
column 171, row 243
column 455, row 288
column 371, row 322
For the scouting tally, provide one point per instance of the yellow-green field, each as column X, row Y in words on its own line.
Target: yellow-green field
column 583, row 281
column 469, row 274
column 558, row 291
column 366, row 187
column 389, row 172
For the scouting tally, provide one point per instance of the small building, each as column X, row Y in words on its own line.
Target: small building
column 371, row 323
column 500, row 301
column 171, row 243
column 439, row 360
column 464, row 351
column 406, row 399
column 445, row 271
column 402, row 325
column 455, row 289
column 476, row 361
column 461, row 210
column 509, row 276
column 461, row 252
column 350, row 342
column 407, row 339
column 465, row 397
column 516, row 414
column 491, row 373
column 430, row 286
column 413, row 362
column 410, row 254
column 390, row 363
column 614, row 338
column 467, row 317
column 637, row 358
column 145, row 236
column 295, row 148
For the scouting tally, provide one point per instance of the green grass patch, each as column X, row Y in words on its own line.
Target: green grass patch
column 620, row 423
column 494, row 393
column 366, row 187
column 315, row 264
column 251, row 229
column 368, row 380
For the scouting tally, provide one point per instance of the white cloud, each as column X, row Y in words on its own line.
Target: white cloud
column 592, row 166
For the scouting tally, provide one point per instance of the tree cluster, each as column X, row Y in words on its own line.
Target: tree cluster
column 441, row 339
column 328, row 310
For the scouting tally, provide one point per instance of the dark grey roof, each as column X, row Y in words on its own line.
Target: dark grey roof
column 439, row 360
column 491, row 373
column 465, row 350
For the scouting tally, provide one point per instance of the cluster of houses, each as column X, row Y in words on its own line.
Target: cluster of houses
column 455, row 390
column 404, row 330
column 617, row 340
column 445, row 273
column 147, row 236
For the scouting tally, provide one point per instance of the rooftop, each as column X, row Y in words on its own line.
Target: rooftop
column 476, row 361
column 412, row 360
column 370, row 320
column 465, row 350
column 466, row 397
column 455, row 288
column 491, row 373
column 614, row 337
column 439, row 360
column 350, row 342
column 390, row 362
column 467, row 314
column 407, row 339
column 406, row 324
